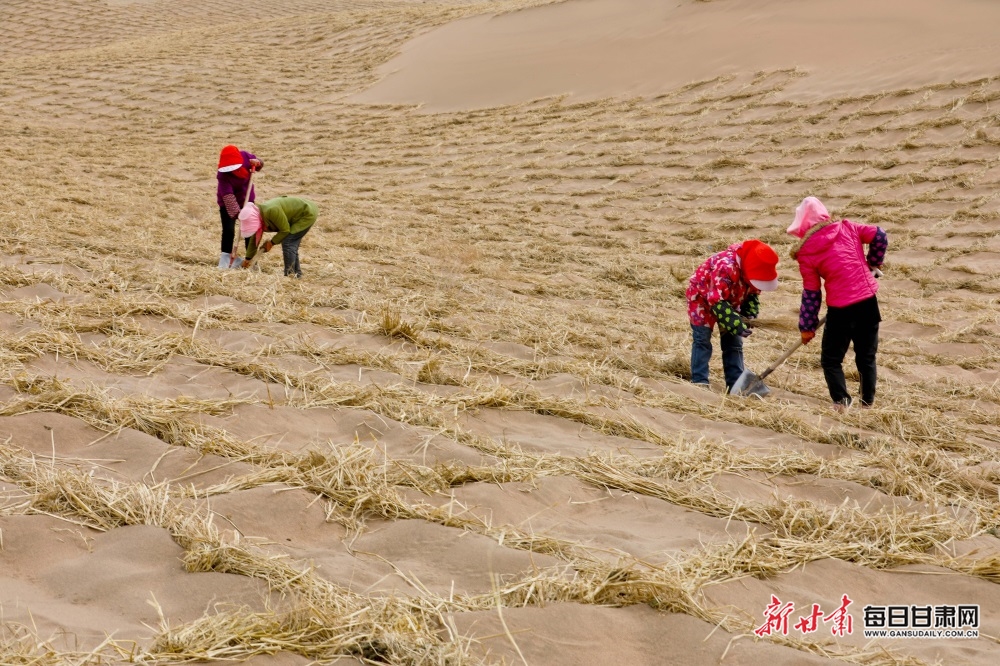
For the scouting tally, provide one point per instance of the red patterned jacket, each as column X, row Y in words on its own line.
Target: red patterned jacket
column 719, row 279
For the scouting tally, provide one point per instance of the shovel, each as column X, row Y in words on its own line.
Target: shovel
column 752, row 384
column 233, row 263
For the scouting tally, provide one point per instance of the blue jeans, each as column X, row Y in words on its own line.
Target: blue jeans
column 290, row 252
column 701, row 353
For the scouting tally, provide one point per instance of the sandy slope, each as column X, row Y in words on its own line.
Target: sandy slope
column 466, row 436
column 600, row 48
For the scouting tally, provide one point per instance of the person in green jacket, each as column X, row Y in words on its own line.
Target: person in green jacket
column 288, row 217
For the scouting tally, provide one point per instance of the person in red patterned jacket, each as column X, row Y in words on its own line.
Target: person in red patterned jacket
column 235, row 166
column 725, row 289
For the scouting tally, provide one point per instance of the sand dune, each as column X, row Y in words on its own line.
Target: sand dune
column 466, row 435
column 591, row 49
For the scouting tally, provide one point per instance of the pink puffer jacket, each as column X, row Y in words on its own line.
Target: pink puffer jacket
column 836, row 254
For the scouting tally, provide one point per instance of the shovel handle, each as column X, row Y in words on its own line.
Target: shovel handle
column 789, row 352
column 236, row 223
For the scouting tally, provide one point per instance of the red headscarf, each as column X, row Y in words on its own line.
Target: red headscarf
column 230, row 159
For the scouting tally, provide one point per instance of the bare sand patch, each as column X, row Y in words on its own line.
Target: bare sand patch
column 593, row 49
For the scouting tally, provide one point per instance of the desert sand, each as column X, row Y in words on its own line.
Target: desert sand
column 466, row 435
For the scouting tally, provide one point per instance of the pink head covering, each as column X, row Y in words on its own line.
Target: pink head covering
column 250, row 222
column 808, row 214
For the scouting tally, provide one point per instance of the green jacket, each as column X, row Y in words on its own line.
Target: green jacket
column 284, row 215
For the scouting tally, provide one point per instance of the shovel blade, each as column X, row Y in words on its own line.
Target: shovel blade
column 750, row 384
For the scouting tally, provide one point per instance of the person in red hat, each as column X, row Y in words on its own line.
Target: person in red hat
column 725, row 290
column 235, row 166
column 831, row 253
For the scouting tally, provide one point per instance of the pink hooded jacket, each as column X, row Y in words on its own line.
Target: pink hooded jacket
column 836, row 254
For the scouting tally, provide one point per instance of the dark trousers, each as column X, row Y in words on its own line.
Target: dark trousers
column 857, row 324
column 229, row 225
column 701, row 354
column 290, row 252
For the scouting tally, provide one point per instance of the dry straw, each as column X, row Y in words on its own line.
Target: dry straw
column 481, row 258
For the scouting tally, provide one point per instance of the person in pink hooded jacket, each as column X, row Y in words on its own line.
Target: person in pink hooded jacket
column 832, row 253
